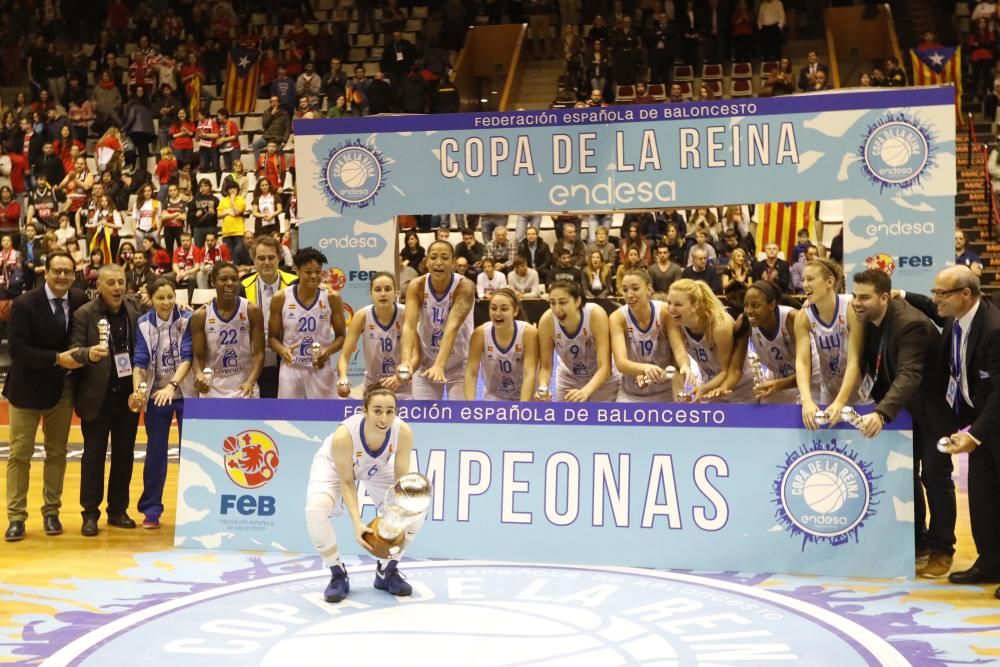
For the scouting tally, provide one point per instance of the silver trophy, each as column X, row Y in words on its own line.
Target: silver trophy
column 946, row 444
column 142, row 391
column 404, row 373
column 103, row 332
column 543, row 393
column 849, row 414
column 343, row 387
column 756, row 368
column 315, row 349
column 405, row 504
column 208, row 372
column 644, row 380
column 821, row 418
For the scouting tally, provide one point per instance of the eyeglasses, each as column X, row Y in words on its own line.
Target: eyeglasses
column 62, row 272
column 945, row 292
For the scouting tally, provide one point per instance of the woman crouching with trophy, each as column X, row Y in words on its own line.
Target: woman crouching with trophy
column 374, row 447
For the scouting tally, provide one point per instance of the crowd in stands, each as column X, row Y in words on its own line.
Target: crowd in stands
column 715, row 245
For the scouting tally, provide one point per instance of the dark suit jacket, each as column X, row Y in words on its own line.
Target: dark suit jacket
column 34, row 381
column 543, row 256
column 92, row 379
column 910, row 343
column 982, row 368
column 784, row 280
column 804, row 83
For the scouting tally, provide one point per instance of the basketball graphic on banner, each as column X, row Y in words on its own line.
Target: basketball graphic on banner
column 824, row 492
column 353, row 173
column 895, row 152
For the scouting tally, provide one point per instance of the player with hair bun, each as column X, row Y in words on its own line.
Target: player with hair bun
column 372, row 446
column 639, row 342
column 507, row 351
column 578, row 333
column 379, row 326
column 437, row 326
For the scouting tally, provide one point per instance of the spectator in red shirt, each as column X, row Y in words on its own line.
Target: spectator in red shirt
column 166, row 172
column 183, row 132
column 272, row 166
column 208, row 147
column 212, row 253
column 173, row 217
column 10, row 215
column 157, row 255
column 187, row 262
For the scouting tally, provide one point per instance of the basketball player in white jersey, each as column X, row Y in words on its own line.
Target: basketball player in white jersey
column 700, row 329
column 227, row 335
column 579, row 335
column 301, row 316
column 507, row 351
column 438, row 325
column 379, row 326
column 374, row 447
column 772, row 339
column 639, row 342
column 828, row 330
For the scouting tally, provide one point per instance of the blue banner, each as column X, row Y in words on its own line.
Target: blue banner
column 733, row 488
column 887, row 156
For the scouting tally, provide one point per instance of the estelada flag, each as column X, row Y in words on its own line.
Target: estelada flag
column 242, row 79
column 780, row 223
column 195, row 104
column 936, row 66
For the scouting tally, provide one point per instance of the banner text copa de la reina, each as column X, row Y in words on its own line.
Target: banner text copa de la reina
column 634, row 162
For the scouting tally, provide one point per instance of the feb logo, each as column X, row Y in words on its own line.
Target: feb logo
column 881, row 262
column 354, row 174
column 335, row 278
column 896, row 151
column 824, row 493
column 250, row 458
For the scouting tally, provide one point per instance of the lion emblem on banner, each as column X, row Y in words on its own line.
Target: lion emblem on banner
column 251, row 458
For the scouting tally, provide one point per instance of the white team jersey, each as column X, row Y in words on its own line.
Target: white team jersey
column 380, row 342
column 503, row 369
column 430, row 329
column 305, row 324
column 372, row 460
column 777, row 354
column 649, row 346
column 577, row 351
column 829, row 346
column 703, row 354
column 229, row 349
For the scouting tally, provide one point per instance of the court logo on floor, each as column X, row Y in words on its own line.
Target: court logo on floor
column 486, row 614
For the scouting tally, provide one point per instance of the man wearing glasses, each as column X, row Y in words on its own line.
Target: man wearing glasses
column 39, row 388
column 970, row 353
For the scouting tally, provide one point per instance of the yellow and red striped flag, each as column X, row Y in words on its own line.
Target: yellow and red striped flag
column 780, row 223
column 242, row 79
column 195, row 104
column 937, row 66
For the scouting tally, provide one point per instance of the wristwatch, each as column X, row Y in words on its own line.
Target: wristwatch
column 174, row 384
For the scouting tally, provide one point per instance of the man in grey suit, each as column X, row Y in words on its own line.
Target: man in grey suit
column 102, row 394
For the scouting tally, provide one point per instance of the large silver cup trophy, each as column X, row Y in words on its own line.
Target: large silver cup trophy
column 405, row 504
column 756, row 367
column 849, row 414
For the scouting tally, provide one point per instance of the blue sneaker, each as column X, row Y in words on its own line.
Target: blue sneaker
column 391, row 579
column 339, row 585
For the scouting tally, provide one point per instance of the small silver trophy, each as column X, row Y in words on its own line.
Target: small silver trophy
column 405, row 503
column 946, row 444
column 207, row 372
column 343, row 387
column 404, row 373
column 543, row 393
column 849, row 414
column 142, row 390
column 756, row 368
column 315, row 349
column 644, row 380
column 103, row 332
column 821, row 418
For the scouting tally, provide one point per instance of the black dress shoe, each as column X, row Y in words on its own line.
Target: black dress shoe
column 121, row 521
column 89, row 528
column 974, row 575
column 15, row 532
column 52, row 525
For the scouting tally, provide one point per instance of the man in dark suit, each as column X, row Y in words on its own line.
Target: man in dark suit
column 103, row 389
column 807, row 75
column 970, row 353
column 773, row 269
column 899, row 366
column 38, row 389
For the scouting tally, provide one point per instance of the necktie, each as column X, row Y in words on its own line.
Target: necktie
column 60, row 313
column 956, row 353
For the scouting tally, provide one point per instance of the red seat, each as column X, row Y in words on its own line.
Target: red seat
column 625, row 93
column 742, row 71
column 683, row 73
column 766, row 66
column 687, row 90
column 715, row 86
column 711, row 72
column 657, row 91
column 741, row 88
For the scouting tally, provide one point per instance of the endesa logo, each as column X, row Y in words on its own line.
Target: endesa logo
column 250, row 459
column 350, row 242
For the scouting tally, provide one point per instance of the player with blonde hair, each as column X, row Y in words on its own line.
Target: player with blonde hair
column 701, row 330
